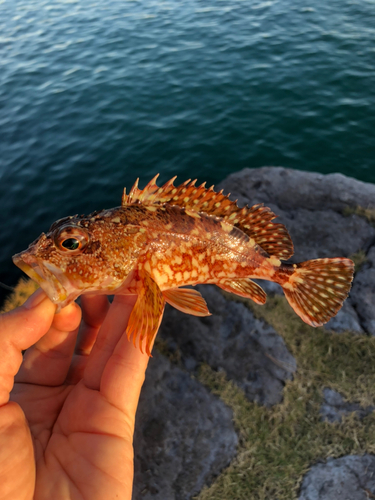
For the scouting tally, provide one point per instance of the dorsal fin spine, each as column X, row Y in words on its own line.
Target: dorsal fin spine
column 134, row 191
column 124, row 197
column 169, row 183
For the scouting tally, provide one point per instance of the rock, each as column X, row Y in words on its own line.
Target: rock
column 184, row 435
column 250, row 351
column 270, row 287
column 334, row 407
column 289, row 189
column 363, row 293
column 311, row 206
column 346, row 478
column 325, row 233
column 346, row 319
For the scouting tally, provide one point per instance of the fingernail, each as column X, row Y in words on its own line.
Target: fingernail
column 35, row 299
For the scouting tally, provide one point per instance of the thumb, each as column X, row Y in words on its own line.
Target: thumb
column 20, row 329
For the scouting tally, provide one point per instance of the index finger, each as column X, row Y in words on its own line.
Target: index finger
column 20, row 329
column 25, row 325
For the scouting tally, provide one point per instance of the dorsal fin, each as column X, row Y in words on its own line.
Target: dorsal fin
column 256, row 221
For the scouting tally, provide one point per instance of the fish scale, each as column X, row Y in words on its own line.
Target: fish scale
column 163, row 238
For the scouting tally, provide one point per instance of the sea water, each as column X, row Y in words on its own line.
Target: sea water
column 96, row 93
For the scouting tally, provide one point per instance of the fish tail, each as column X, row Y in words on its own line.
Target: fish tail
column 316, row 289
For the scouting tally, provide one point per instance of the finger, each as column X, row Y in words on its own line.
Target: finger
column 47, row 362
column 124, row 375
column 19, row 329
column 94, row 311
column 112, row 329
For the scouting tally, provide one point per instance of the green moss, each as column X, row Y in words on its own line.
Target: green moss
column 21, row 293
column 162, row 347
column 367, row 213
column 359, row 258
column 278, row 445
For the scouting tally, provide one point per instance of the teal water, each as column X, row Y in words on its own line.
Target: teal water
column 95, row 94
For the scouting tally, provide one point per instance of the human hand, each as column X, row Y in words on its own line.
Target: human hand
column 66, row 428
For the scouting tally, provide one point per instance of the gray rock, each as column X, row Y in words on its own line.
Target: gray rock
column 325, row 233
column 289, row 188
column 184, row 435
column 334, row 407
column 347, row 478
column 371, row 257
column 250, row 351
column 270, row 287
column 311, row 206
column 346, row 319
column 363, row 293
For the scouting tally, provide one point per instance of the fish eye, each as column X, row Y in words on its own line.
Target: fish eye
column 71, row 244
column 71, row 239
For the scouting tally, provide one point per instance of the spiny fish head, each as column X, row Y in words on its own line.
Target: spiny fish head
column 80, row 255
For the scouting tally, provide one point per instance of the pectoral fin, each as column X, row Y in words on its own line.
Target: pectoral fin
column 147, row 313
column 245, row 288
column 187, row 300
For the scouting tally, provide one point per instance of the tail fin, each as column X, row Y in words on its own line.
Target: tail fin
column 317, row 288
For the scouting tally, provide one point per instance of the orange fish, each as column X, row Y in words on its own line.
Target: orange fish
column 161, row 239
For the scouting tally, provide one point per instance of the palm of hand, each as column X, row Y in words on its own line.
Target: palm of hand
column 79, row 407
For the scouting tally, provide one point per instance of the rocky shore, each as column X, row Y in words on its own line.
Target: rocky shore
column 215, row 384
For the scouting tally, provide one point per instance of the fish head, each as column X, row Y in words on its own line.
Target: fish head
column 76, row 256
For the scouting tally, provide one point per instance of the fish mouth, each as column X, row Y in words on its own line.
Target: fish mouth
column 45, row 276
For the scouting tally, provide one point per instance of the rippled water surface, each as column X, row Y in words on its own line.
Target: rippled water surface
column 95, row 94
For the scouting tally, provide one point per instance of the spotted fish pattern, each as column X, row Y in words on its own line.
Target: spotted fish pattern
column 163, row 238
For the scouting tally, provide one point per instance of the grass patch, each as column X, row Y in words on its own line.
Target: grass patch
column 359, row 258
column 278, row 445
column 367, row 213
column 21, row 293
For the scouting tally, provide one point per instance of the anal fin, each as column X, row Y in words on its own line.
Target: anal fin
column 244, row 288
column 187, row 300
column 147, row 313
